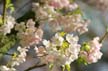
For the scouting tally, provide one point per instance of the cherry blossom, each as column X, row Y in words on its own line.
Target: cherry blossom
column 29, row 34
column 59, row 49
column 59, row 3
column 93, row 54
column 8, row 25
column 63, row 47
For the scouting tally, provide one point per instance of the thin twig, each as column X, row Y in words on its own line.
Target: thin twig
column 6, row 53
column 103, row 37
column 35, row 66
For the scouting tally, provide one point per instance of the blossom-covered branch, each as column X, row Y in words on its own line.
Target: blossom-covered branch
column 64, row 18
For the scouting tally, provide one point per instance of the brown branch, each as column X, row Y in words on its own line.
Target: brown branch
column 35, row 66
column 6, row 53
column 103, row 37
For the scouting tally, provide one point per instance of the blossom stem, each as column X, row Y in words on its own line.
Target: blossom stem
column 35, row 66
column 103, row 37
column 4, row 11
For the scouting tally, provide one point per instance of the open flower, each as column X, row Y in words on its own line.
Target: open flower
column 70, row 38
column 57, row 39
column 8, row 25
column 46, row 43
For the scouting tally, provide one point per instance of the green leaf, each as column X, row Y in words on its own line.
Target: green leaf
column 76, row 11
column 8, row 1
column 81, row 60
column 85, row 63
column 9, row 5
column 12, row 9
column 1, row 22
column 6, row 42
column 63, row 68
column 5, row 48
column 67, row 66
column 51, row 66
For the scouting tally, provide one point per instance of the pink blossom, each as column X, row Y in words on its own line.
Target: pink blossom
column 31, row 35
column 94, row 54
column 59, row 3
column 95, row 44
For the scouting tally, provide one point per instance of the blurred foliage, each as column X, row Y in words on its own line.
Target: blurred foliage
column 76, row 11
column 6, row 42
column 9, row 5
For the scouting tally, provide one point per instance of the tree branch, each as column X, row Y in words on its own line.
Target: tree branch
column 35, row 66
column 103, row 37
column 6, row 53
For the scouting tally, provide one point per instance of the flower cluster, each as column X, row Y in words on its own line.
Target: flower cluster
column 56, row 14
column 21, row 57
column 16, row 60
column 91, row 51
column 8, row 25
column 61, row 49
column 70, row 23
column 28, row 33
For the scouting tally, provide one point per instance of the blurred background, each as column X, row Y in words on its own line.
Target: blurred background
column 95, row 10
